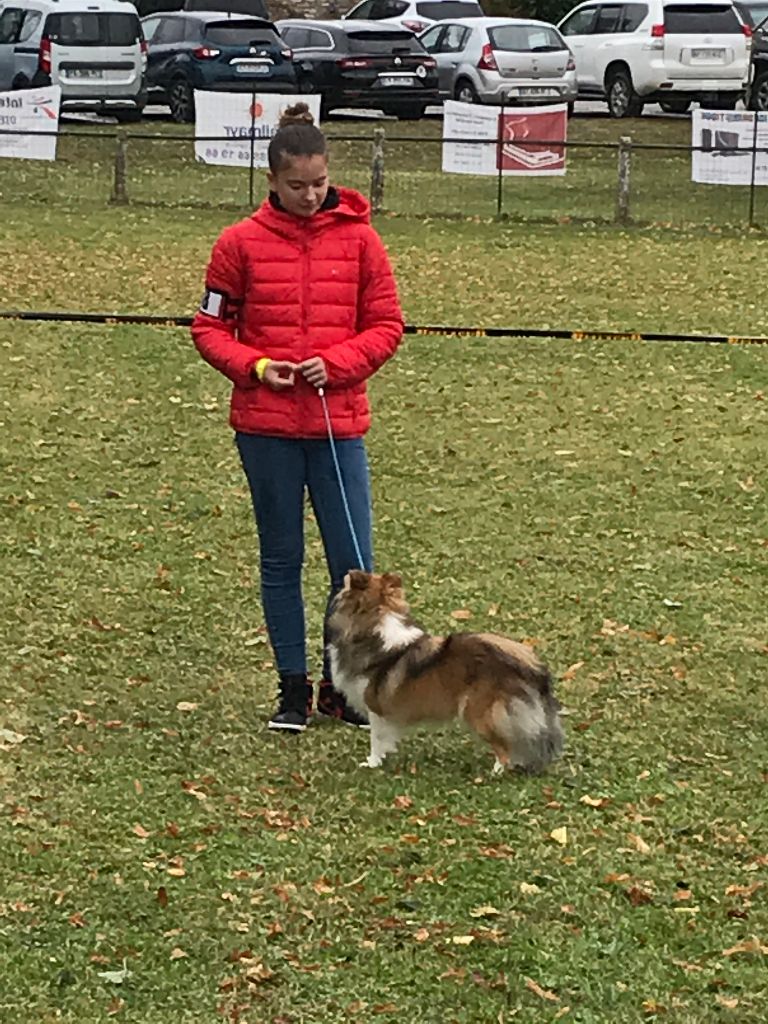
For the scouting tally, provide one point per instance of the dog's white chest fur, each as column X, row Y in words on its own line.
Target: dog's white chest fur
column 395, row 633
column 352, row 686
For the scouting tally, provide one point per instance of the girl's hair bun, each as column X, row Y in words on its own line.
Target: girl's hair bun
column 297, row 114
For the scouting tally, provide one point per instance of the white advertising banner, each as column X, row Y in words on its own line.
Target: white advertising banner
column 546, row 127
column 724, row 140
column 235, row 117
column 30, row 112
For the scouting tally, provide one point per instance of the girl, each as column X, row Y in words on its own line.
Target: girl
column 301, row 296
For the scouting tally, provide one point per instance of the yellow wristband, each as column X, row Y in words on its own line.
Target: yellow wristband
column 261, row 366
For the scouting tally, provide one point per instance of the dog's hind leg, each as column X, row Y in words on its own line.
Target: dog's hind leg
column 385, row 737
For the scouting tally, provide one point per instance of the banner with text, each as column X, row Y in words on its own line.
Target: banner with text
column 235, row 118
column 725, row 141
column 29, row 112
column 509, row 150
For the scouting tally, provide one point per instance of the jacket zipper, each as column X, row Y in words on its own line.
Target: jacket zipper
column 305, row 293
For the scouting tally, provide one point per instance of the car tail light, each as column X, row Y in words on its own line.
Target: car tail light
column 571, row 65
column 144, row 51
column 44, row 57
column 487, row 60
column 348, row 63
column 747, row 30
column 205, row 53
column 415, row 26
column 657, row 31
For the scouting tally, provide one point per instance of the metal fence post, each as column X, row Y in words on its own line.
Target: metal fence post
column 623, row 184
column 377, row 171
column 119, row 192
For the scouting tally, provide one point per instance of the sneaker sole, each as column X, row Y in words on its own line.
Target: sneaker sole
column 277, row 727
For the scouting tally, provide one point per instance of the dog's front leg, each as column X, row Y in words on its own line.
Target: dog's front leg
column 384, row 740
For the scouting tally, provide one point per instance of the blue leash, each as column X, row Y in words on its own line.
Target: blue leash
column 339, row 477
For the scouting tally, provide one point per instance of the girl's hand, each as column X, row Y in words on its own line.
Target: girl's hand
column 279, row 374
column 314, row 371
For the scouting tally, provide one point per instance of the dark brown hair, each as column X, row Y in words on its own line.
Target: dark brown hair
column 297, row 135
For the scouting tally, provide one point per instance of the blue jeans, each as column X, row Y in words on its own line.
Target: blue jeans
column 279, row 471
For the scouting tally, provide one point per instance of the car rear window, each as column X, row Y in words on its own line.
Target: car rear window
column 240, row 33
column 525, row 38
column 439, row 10
column 383, row 42
column 89, row 28
column 701, row 19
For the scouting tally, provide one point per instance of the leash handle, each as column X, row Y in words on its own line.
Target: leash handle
column 339, row 477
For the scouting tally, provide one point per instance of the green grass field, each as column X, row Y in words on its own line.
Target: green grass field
column 164, row 858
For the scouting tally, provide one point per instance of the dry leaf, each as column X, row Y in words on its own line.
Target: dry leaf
column 185, row 705
column 542, row 993
column 559, row 835
column 463, row 940
column 637, row 896
column 484, row 911
column 639, row 843
column 421, row 935
column 402, row 802
column 571, row 671
column 528, row 888
column 162, row 896
column 592, row 801
column 729, row 1002
column 752, row 945
column 681, row 895
column 138, row 787
column 176, row 872
column 140, row 831
column 461, row 614
column 178, row 954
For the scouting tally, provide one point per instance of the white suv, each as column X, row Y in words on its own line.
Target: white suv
column 415, row 15
column 660, row 51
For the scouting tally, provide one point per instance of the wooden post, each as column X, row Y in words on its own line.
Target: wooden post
column 623, row 184
column 119, row 192
column 377, row 171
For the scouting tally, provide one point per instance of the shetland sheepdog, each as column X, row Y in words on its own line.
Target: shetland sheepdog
column 398, row 675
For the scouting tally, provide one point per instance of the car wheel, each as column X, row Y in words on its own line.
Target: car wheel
column 465, row 92
column 128, row 116
column 181, row 100
column 411, row 112
column 675, row 106
column 623, row 101
column 758, row 95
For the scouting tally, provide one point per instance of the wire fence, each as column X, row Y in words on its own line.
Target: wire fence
column 605, row 182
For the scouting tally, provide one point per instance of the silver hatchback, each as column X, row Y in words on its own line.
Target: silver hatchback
column 490, row 60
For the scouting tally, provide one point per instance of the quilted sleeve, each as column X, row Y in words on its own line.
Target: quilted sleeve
column 214, row 327
column 379, row 321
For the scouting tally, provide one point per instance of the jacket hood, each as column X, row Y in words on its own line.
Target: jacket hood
column 351, row 207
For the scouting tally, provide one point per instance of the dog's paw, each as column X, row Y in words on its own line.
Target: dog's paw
column 371, row 762
column 498, row 767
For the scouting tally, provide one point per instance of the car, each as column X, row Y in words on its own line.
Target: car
column 494, row 60
column 415, row 15
column 659, row 51
column 95, row 53
column 222, row 52
column 755, row 14
column 362, row 64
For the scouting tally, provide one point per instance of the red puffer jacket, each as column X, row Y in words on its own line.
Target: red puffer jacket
column 291, row 288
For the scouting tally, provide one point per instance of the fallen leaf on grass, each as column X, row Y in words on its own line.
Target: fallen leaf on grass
column 115, row 1006
column 162, row 896
column 258, row 974
column 178, row 954
column 592, row 801
column 529, row 888
column 752, row 945
column 559, row 835
column 639, row 843
column 176, row 872
column 421, row 935
column 140, row 831
column 385, row 1008
column 744, row 890
column 463, row 940
column 571, row 671
column 185, row 705
column 461, row 614
column 638, row 896
column 77, row 920
column 484, row 911
column 402, row 802
column 10, row 739
column 729, row 1002
column 542, row 993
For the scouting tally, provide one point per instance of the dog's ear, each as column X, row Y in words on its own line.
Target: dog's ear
column 392, row 581
column 359, row 580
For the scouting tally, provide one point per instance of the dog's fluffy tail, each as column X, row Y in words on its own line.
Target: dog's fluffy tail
column 531, row 726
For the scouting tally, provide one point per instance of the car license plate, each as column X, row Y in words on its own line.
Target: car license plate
column 534, row 90
column 86, row 73
column 707, row 54
column 406, row 80
column 253, row 69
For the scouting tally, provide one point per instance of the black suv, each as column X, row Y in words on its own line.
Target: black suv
column 362, row 64
column 210, row 50
column 755, row 14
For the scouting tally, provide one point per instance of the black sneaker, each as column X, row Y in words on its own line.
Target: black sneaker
column 332, row 704
column 295, row 706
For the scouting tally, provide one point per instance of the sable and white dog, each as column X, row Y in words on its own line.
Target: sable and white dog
column 393, row 671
